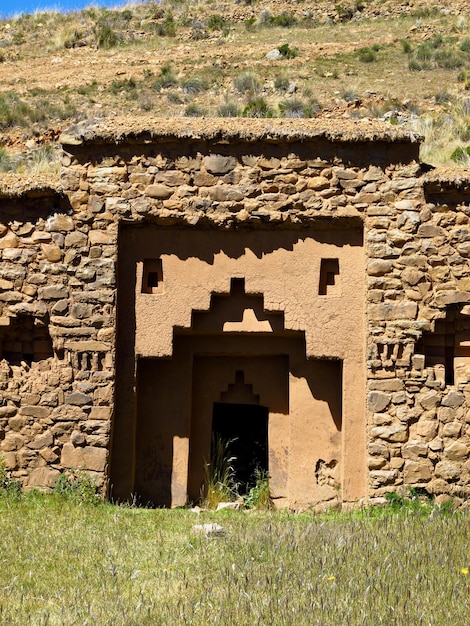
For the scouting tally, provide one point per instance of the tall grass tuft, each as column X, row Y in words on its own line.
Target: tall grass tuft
column 219, row 474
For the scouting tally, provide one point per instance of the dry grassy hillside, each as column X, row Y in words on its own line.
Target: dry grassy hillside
column 405, row 62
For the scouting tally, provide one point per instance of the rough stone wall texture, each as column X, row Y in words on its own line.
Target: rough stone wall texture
column 56, row 330
column 58, row 260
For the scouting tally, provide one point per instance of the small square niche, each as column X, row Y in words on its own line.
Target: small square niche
column 329, row 284
column 152, row 276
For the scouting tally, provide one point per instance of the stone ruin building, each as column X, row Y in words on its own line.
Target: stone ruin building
column 301, row 287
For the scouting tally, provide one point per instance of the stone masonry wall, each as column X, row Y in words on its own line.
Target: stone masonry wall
column 56, row 333
column 58, row 269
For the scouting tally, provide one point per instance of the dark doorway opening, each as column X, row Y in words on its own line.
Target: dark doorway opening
column 245, row 426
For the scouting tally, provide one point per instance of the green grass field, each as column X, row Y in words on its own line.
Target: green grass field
column 66, row 562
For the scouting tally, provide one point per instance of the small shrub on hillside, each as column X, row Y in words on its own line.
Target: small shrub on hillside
column 76, row 485
column 174, row 97
column 125, row 85
column 258, row 107
column 287, row 52
column 165, row 80
column 228, row 109
column 247, row 83
column 198, row 30
column 406, row 46
column 367, row 55
column 250, row 24
column 423, row 12
column 465, row 45
column 43, row 160
column 167, row 27
column 105, row 36
column 350, row 95
column 216, row 22
column 293, row 107
column 442, row 97
column 461, row 155
column 284, row 20
column 281, row 83
column 7, row 164
column 69, row 37
column 194, row 110
column 448, row 59
column 193, row 85
column 414, row 65
column 265, row 19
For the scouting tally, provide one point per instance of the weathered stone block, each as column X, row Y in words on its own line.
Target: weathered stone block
column 11, row 462
column 35, row 411
column 78, row 398
column 100, row 413
column 7, row 411
column 444, row 298
column 52, row 252
column 396, row 434
column 414, row 449
column 219, row 164
column 159, row 192
column 376, row 462
column 429, row 399
column 430, row 230
column 66, row 413
column 386, row 384
column 59, row 222
column 100, row 237
column 447, row 470
column 378, row 478
column 456, row 451
column 12, row 442
column 451, row 429
column 453, row 399
column 417, row 471
column 387, row 311
column 53, row 292
column 45, row 477
column 427, row 429
column 445, row 414
column 318, row 183
column 43, row 441
column 89, row 458
column 377, row 401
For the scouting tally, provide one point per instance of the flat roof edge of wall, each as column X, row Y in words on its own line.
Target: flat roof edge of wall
column 356, row 142
column 122, row 130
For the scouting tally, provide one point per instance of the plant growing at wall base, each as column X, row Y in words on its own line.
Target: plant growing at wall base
column 77, row 486
column 9, row 486
column 259, row 496
column 219, row 474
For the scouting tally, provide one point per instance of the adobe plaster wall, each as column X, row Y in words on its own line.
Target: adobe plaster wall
column 266, row 205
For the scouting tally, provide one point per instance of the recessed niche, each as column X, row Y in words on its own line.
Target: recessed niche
column 152, row 276
column 26, row 340
column 447, row 348
column 329, row 284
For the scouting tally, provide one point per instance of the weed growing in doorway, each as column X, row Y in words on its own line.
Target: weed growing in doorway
column 219, row 474
column 259, row 496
